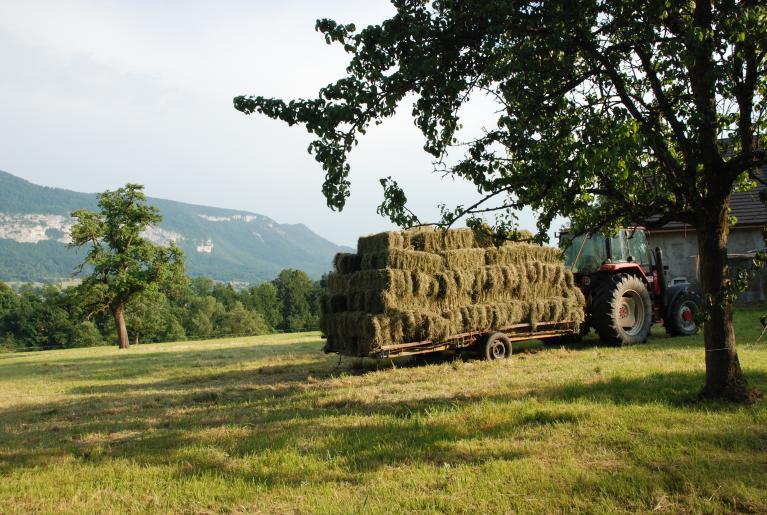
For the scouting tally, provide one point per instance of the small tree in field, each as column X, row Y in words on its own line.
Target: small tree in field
column 609, row 113
column 124, row 263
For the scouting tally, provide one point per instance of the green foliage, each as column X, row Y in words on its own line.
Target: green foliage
column 124, row 263
column 238, row 320
column 608, row 113
column 36, row 318
column 202, row 286
column 87, row 334
column 263, row 298
column 151, row 318
column 8, row 299
column 299, row 297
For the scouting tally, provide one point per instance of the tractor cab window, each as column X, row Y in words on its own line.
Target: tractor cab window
column 638, row 248
column 586, row 252
column 618, row 251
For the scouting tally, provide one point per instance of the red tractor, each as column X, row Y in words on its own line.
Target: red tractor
column 624, row 283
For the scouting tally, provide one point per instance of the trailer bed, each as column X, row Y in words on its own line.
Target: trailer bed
column 517, row 332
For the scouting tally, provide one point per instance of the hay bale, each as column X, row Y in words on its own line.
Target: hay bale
column 345, row 263
column 382, row 241
column 424, row 285
column 436, row 240
column 522, row 253
column 464, row 259
column 333, row 303
column 337, row 283
column 402, row 259
column 388, row 279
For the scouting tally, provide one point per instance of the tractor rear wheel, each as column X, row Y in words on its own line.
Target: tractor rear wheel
column 621, row 310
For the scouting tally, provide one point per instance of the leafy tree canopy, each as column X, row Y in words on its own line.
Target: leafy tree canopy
column 124, row 263
column 609, row 112
column 298, row 297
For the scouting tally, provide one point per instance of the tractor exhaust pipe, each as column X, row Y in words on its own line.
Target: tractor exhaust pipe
column 659, row 280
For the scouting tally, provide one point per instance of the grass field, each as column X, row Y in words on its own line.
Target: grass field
column 270, row 424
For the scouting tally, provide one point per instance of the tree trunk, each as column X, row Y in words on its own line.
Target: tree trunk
column 724, row 378
column 122, row 331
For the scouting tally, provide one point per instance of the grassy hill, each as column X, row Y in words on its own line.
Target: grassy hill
column 270, row 424
column 246, row 246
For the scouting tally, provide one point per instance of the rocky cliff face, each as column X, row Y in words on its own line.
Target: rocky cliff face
column 37, row 227
column 32, row 228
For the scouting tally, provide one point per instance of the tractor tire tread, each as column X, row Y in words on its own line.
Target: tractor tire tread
column 604, row 307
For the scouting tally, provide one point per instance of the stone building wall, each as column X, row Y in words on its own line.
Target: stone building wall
column 680, row 253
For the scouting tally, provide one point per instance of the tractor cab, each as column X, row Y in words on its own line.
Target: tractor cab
column 588, row 253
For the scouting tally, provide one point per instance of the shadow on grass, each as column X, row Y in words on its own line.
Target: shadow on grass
column 199, row 423
column 128, row 366
column 676, row 389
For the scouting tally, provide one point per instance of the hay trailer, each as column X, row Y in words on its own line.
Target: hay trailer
column 490, row 345
column 425, row 290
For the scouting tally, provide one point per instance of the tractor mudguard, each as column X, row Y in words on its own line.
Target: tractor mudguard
column 674, row 292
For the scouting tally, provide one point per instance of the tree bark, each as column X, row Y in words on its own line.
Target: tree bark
column 122, row 331
column 724, row 377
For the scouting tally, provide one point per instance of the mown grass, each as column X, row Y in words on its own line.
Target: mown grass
column 270, row 424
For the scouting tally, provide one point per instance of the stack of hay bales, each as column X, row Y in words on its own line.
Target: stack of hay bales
column 426, row 284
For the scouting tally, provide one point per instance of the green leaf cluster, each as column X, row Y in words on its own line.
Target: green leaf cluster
column 608, row 113
column 123, row 262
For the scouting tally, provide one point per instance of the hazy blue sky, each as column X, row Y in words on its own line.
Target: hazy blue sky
column 97, row 94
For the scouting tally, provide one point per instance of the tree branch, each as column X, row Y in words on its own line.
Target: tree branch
column 676, row 125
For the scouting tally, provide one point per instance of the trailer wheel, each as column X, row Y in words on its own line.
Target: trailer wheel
column 621, row 310
column 495, row 346
column 680, row 319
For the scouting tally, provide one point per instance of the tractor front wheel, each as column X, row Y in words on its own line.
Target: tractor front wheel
column 680, row 319
column 621, row 310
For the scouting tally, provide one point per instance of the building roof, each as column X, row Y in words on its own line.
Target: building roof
column 745, row 206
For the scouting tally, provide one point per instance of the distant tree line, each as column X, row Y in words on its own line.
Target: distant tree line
column 49, row 317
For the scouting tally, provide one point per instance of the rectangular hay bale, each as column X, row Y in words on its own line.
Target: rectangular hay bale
column 345, row 263
column 402, row 259
column 522, row 253
column 436, row 240
column 464, row 259
column 381, row 241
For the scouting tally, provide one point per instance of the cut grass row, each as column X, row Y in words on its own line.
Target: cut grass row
column 270, row 424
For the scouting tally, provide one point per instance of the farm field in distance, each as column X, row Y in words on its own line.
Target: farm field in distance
column 271, row 424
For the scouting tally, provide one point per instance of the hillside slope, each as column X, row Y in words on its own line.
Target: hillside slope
column 225, row 244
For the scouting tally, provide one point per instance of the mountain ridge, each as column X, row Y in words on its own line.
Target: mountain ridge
column 222, row 243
